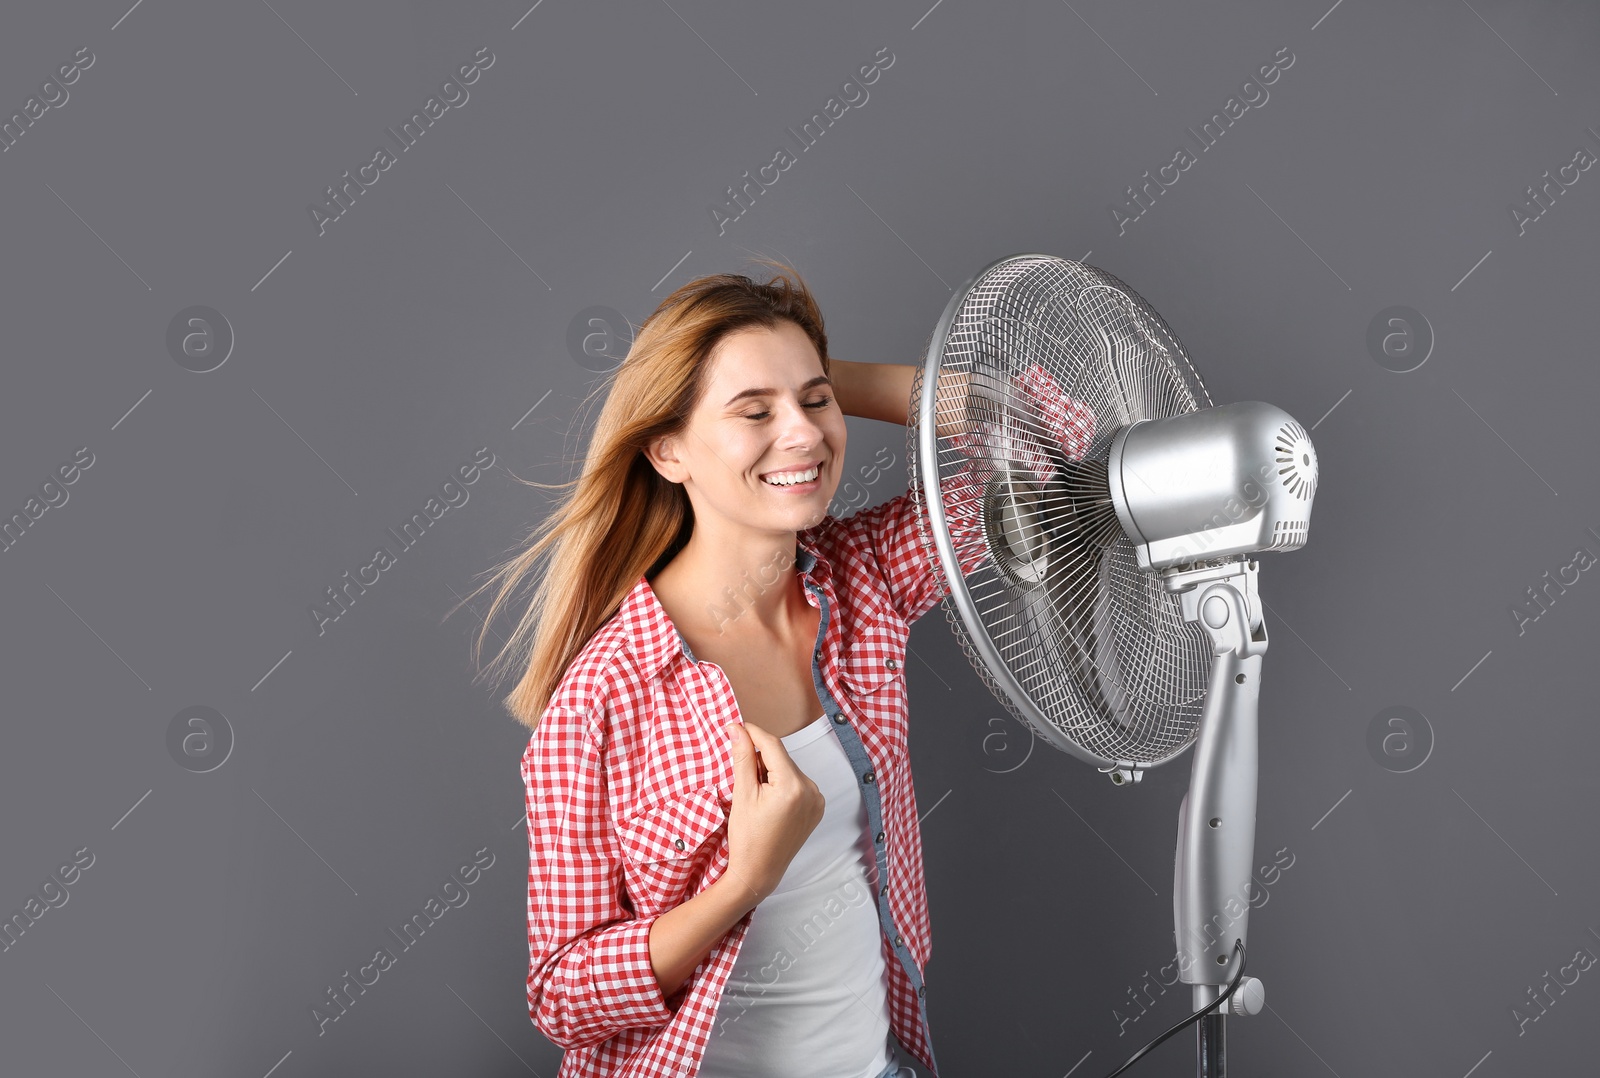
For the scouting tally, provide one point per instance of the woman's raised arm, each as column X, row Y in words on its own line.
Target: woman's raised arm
column 882, row 391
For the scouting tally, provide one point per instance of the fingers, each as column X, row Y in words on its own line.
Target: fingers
column 744, row 761
column 773, row 755
column 1070, row 423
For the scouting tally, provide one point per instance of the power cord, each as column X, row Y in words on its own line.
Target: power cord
column 1238, row 945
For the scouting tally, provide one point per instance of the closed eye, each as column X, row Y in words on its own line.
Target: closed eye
column 823, row 403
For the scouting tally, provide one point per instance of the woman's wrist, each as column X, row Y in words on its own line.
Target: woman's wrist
column 741, row 891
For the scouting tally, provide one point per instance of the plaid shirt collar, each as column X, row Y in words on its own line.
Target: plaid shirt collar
column 654, row 640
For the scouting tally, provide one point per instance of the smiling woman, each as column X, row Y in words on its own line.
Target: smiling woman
column 695, row 779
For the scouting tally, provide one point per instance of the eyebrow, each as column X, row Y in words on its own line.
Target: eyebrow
column 767, row 391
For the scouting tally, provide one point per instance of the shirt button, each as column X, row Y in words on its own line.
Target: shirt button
column 880, row 836
column 898, row 941
column 867, row 777
column 922, row 989
column 840, row 719
column 891, row 664
column 678, row 842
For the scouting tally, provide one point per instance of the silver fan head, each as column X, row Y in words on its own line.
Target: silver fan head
column 1069, row 621
column 1214, row 483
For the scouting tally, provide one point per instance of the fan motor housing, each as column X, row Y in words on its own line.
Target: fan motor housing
column 1233, row 479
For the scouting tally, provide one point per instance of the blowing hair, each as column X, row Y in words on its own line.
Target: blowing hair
column 620, row 518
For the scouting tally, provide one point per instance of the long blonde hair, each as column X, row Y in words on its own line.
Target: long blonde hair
column 622, row 519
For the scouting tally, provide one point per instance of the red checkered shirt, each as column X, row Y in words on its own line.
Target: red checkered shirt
column 629, row 782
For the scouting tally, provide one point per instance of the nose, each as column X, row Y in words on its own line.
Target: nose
column 800, row 427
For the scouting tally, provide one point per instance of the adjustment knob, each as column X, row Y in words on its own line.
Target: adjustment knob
column 1249, row 997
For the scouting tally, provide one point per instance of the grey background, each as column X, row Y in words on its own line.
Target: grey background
column 432, row 318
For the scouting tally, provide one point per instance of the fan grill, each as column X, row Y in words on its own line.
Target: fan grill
column 1099, row 648
column 1297, row 464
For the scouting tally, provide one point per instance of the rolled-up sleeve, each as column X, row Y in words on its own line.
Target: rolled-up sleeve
column 589, row 971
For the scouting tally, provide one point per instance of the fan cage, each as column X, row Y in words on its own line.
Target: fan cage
column 1108, row 668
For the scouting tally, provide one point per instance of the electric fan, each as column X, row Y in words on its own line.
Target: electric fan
column 1116, row 613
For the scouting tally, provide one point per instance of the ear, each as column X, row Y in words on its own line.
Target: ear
column 662, row 453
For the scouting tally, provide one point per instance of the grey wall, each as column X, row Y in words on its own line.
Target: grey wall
column 341, row 774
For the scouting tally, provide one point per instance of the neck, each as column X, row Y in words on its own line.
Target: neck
column 737, row 586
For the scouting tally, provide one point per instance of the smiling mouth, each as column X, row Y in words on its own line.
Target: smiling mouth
column 794, row 476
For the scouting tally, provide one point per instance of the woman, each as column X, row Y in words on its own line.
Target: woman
column 725, row 872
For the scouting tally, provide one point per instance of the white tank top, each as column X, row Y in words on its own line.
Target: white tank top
column 808, row 994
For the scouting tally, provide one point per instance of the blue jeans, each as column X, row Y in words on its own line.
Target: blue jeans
column 901, row 1065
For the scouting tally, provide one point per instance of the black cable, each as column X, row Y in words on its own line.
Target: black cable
column 1238, row 945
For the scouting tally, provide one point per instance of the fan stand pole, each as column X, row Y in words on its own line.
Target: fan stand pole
column 1217, row 820
column 1211, row 1047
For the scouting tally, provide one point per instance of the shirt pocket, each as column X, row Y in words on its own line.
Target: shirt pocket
column 668, row 846
column 873, row 672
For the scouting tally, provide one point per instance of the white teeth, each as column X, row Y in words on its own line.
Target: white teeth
column 786, row 479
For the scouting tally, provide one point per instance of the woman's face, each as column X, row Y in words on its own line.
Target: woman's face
column 767, row 410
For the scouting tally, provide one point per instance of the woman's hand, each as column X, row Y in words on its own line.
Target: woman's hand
column 1054, row 420
column 776, row 806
